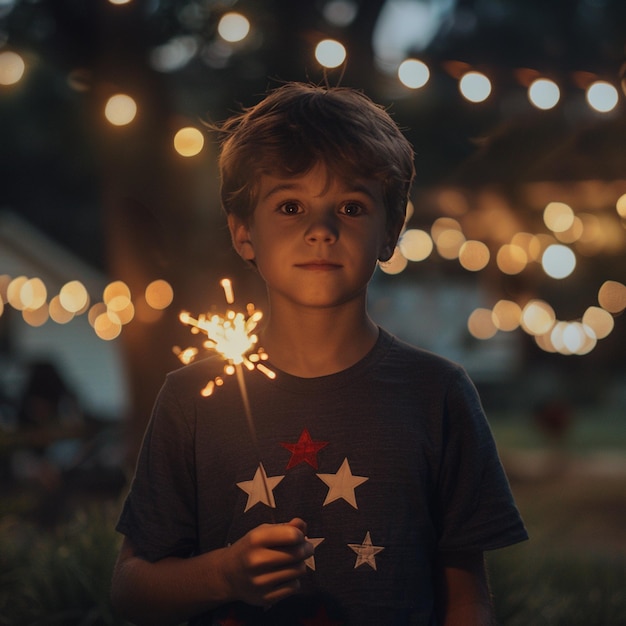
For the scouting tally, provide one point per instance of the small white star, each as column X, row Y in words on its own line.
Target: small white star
column 342, row 484
column 365, row 552
column 256, row 488
column 310, row 562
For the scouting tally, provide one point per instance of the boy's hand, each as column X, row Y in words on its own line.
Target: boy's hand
column 265, row 565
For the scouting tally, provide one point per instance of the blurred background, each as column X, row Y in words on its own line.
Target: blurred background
column 512, row 261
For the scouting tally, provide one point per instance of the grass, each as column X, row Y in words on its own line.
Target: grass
column 58, row 576
column 572, row 572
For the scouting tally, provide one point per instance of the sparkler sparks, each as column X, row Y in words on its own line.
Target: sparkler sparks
column 232, row 337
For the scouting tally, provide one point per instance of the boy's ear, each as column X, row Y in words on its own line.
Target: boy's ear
column 240, row 236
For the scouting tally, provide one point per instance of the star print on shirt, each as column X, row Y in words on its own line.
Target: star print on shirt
column 366, row 552
column 256, row 490
column 304, row 450
column 342, row 484
column 310, row 562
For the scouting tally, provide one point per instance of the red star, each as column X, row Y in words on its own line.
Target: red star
column 320, row 619
column 304, row 450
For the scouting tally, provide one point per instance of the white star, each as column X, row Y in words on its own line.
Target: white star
column 310, row 562
column 256, row 488
column 342, row 484
column 365, row 552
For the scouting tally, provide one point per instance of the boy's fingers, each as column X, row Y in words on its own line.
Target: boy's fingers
column 298, row 523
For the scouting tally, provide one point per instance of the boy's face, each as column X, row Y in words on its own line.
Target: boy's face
column 315, row 240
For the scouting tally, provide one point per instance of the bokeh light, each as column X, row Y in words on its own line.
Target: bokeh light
column 602, row 96
column 233, row 27
column 36, row 317
column 14, row 292
column 159, row 294
column 73, row 296
column 544, row 93
column 474, row 255
column 330, row 53
column 413, row 73
column 558, row 216
column 480, row 324
column 558, row 261
column 188, row 141
column 12, row 67
column 340, row 13
column 506, row 315
column 475, row 87
column 120, row 109
column 599, row 320
column 58, row 312
column 538, row 317
column 511, row 259
column 612, row 296
column 620, row 206
column 416, row 244
column 33, row 294
column 396, row 264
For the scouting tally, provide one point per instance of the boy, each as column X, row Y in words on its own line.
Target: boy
column 375, row 457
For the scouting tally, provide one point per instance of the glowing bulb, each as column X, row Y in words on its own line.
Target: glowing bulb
column 544, row 93
column 413, row 73
column 159, row 294
column 188, row 141
column 12, row 67
column 415, row 244
column 558, row 261
column 474, row 255
column 511, row 259
column 558, row 216
column 599, row 320
column 330, row 53
column 475, row 87
column 73, row 296
column 602, row 96
column 233, row 27
column 506, row 315
column 612, row 296
column 120, row 109
column 33, row 294
column 480, row 324
column 538, row 317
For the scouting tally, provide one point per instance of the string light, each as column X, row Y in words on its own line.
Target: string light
column 12, row 67
column 120, row 109
column 330, row 53
column 233, row 27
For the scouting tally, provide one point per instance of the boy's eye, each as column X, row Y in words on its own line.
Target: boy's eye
column 351, row 209
column 289, row 208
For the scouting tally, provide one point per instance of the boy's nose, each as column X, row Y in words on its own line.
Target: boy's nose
column 322, row 229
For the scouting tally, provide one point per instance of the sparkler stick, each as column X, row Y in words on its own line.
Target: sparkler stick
column 232, row 336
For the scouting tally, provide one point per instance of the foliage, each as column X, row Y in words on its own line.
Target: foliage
column 543, row 587
column 58, row 576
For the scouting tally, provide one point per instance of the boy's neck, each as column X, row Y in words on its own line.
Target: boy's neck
column 316, row 343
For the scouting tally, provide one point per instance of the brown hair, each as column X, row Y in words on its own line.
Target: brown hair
column 298, row 125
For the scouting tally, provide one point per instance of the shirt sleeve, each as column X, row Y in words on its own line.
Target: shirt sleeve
column 475, row 504
column 159, row 514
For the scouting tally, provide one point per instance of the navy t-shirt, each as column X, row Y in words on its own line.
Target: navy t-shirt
column 388, row 462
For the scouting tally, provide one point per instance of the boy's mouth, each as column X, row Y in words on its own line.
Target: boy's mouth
column 319, row 265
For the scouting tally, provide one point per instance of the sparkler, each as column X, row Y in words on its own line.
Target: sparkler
column 232, row 337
